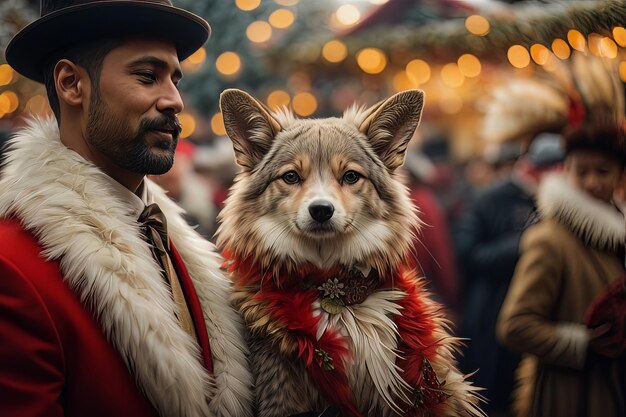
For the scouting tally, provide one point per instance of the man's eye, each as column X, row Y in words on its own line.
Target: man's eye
column 146, row 77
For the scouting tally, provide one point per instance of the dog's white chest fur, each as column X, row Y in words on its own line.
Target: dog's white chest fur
column 372, row 336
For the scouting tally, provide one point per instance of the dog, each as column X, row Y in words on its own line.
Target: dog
column 316, row 234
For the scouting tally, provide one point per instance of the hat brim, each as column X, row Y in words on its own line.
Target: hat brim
column 33, row 45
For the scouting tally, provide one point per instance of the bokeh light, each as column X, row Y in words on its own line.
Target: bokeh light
column 608, row 48
column 348, row 14
column 188, row 124
column 247, row 5
column 197, row 57
column 278, row 99
column 403, row 81
column 217, row 124
column 282, row 18
column 576, row 40
column 6, row 74
column 594, row 43
column 419, row 70
column 228, row 63
column 540, row 54
column 259, row 31
column 469, row 65
column 371, row 60
column 287, row 2
column 304, row 104
column 518, row 56
column 622, row 71
column 334, row 51
column 619, row 34
column 477, row 25
column 451, row 75
column 560, row 48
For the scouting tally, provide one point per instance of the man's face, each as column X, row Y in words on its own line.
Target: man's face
column 596, row 173
column 132, row 111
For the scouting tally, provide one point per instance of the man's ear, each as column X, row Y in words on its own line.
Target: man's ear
column 70, row 82
column 390, row 124
column 249, row 126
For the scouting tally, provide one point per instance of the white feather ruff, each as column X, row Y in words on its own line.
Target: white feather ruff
column 68, row 205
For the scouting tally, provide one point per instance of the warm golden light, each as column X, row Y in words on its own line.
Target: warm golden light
column 348, row 14
column 217, row 124
column 622, row 70
column 14, row 101
column 469, row 65
column 188, row 124
column 278, row 99
column 334, row 51
column 403, row 81
column 608, row 48
column 378, row 1
column 451, row 75
column 287, row 2
column 6, row 74
column 259, row 31
column 576, row 40
column 371, row 60
column 619, row 34
column 450, row 103
column 228, row 63
column 304, row 104
column 247, row 5
column 560, row 48
column 5, row 104
column 282, row 18
column 477, row 25
column 419, row 70
column 197, row 57
column 539, row 53
column 594, row 43
column 518, row 56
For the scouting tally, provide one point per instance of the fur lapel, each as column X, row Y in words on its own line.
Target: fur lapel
column 56, row 194
column 594, row 222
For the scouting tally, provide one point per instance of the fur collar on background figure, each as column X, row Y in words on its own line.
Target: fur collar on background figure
column 316, row 232
column 596, row 223
column 67, row 204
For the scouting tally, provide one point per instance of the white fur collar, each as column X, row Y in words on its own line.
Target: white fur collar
column 67, row 204
column 596, row 223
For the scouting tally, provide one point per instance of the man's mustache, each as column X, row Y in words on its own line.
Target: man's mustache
column 164, row 122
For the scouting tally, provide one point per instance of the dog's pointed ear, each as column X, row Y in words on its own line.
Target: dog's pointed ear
column 249, row 125
column 390, row 124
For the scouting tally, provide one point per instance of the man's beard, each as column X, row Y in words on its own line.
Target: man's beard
column 114, row 137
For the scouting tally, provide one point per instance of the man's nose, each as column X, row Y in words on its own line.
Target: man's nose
column 170, row 100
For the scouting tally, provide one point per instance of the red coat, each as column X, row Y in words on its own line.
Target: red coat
column 54, row 358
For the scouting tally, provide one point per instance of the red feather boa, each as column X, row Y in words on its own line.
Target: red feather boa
column 325, row 359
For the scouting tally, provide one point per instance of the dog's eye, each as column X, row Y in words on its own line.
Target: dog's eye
column 291, row 177
column 351, row 177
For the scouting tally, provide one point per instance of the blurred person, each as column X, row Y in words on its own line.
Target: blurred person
column 185, row 186
column 488, row 241
column 110, row 305
column 432, row 247
column 569, row 257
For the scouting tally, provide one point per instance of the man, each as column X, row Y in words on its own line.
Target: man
column 488, row 242
column 101, row 312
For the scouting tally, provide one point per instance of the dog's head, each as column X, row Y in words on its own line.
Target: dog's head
column 321, row 191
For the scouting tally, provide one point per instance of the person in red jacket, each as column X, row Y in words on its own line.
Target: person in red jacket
column 110, row 305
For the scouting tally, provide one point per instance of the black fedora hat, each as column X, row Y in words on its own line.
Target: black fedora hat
column 65, row 23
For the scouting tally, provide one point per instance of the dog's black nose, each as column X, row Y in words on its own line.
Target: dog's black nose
column 321, row 210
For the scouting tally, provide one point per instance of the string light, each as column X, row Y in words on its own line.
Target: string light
column 451, row 75
column 287, row 2
column 197, row 57
column 622, row 70
column 6, row 74
column 348, row 14
column 560, row 48
column 619, row 34
column 576, row 40
column 403, row 81
column 608, row 48
column 518, row 56
column 539, row 53
column 247, row 5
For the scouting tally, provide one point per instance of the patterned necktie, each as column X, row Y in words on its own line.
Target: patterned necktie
column 155, row 229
